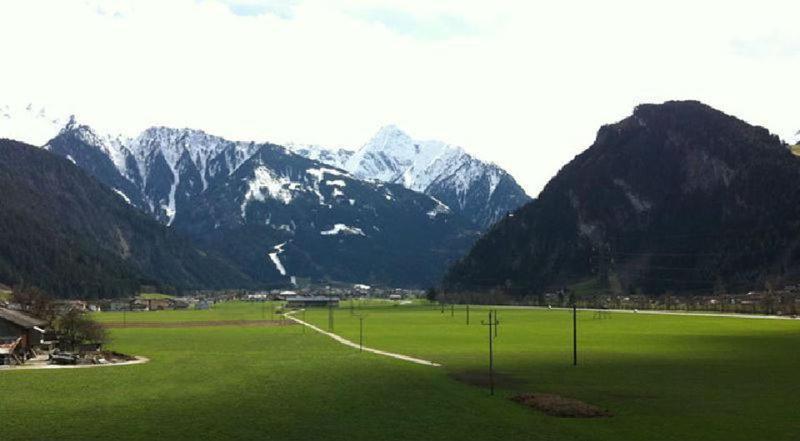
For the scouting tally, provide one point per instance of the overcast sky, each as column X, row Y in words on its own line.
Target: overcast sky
column 525, row 84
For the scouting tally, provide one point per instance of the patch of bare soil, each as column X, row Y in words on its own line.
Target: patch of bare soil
column 481, row 379
column 556, row 405
column 199, row 324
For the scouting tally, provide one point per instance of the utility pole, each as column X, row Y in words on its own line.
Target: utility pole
column 491, row 323
column 330, row 315
column 574, row 333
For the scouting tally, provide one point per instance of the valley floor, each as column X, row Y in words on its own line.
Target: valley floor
column 661, row 376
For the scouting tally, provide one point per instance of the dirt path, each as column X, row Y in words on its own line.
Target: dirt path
column 197, row 324
column 32, row 366
column 347, row 342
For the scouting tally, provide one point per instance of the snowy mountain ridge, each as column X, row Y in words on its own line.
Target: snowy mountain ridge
column 278, row 214
column 169, row 165
column 443, row 171
column 160, row 159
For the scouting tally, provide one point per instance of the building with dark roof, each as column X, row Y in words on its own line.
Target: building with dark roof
column 311, row 301
column 19, row 332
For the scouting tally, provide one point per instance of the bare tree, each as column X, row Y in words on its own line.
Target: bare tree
column 77, row 327
column 34, row 301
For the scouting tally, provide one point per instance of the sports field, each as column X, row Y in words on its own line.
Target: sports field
column 662, row 377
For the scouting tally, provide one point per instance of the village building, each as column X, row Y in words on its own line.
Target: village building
column 70, row 305
column 180, row 304
column 19, row 333
column 120, row 305
column 361, row 288
column 285, row 294
column 153, row 304
column 311, row 301
column 203, row 304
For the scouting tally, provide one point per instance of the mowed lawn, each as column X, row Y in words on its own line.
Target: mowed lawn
column 663, row 377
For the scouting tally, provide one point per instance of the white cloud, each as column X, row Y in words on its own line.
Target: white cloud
column 525, row 84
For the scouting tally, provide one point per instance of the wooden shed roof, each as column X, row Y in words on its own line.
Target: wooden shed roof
column 20, row 318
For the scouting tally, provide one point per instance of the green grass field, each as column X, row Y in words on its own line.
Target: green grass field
column 663, row 377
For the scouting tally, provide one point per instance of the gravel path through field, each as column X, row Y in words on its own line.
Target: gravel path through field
column 347, row 342
column 33, row 366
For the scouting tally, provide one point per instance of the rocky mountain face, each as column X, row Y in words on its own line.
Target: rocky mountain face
column 277, row 215
column 72, row 236
column 161, row 170
column 678, row 197
column 479, row 191
column 280, row 215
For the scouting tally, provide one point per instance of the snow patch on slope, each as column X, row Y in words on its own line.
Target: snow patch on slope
column 319, row 176
column 273, row 256
column 320, row 173
column 266, row 184
column 343, row 229
column 440, row 208
column 122, row 195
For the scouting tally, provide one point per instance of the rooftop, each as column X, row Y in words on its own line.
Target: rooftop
column 20, row 318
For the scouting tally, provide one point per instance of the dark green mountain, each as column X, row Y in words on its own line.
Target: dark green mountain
column 677, row 197
column 71, row 236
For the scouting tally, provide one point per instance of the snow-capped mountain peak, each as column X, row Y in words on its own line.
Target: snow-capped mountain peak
column 391, row 136
column 394, row 156
column 112, row 145
column 444, row 171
